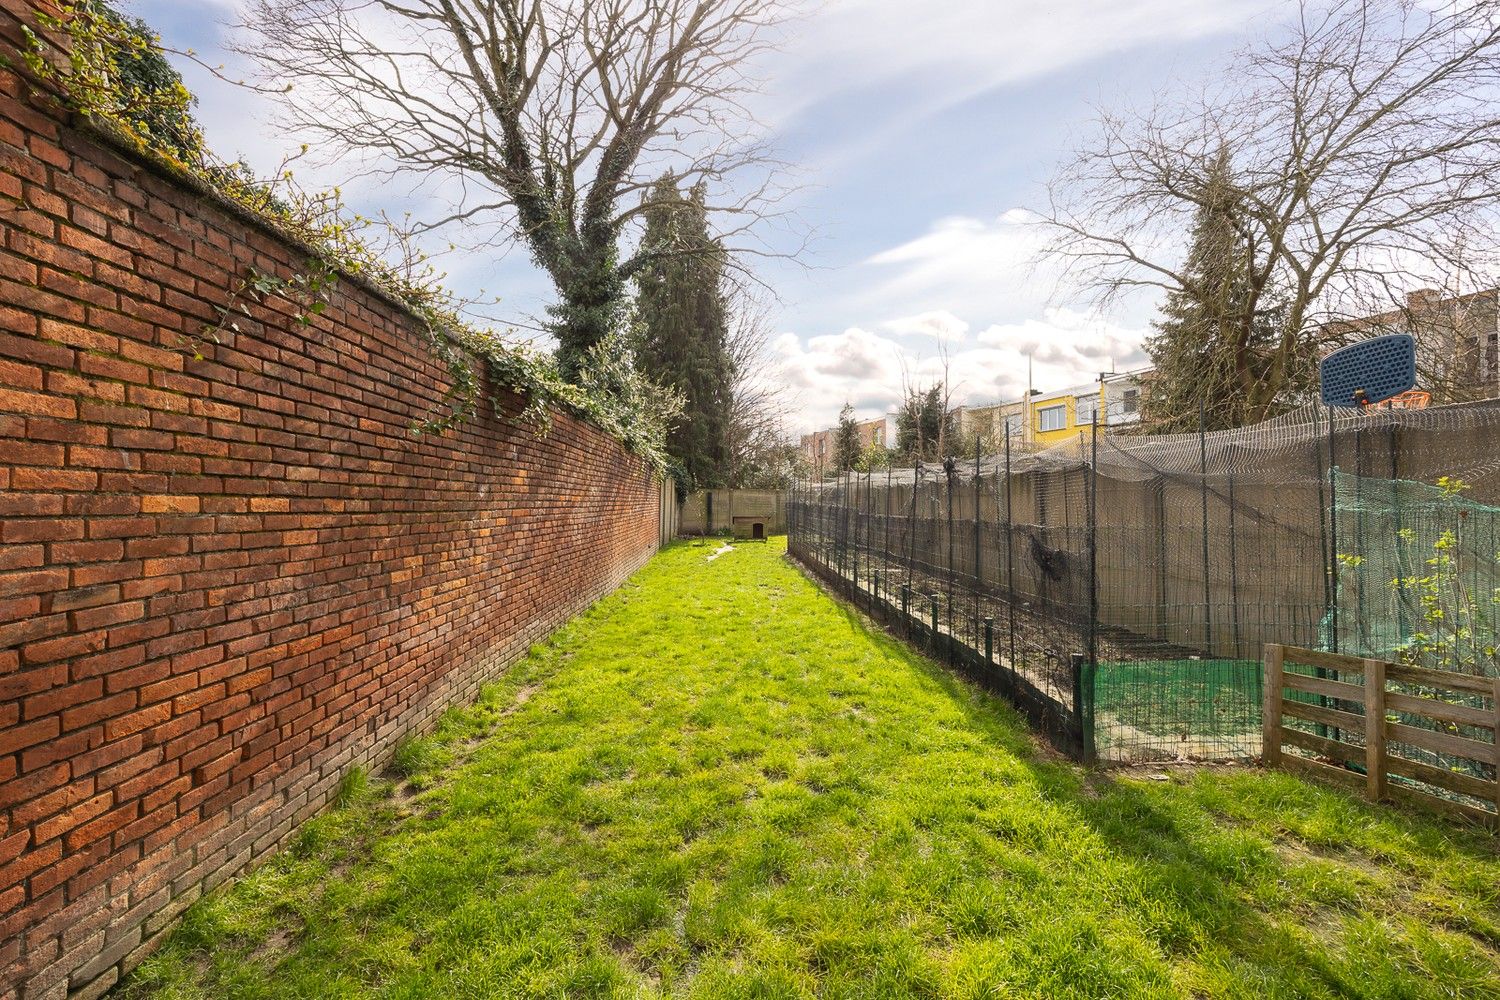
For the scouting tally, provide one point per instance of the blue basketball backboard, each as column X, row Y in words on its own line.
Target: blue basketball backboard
column 1382, row 367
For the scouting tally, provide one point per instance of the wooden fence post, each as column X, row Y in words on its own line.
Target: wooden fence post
column 1375, row 730
column 1270, row 751
column 1497, row 744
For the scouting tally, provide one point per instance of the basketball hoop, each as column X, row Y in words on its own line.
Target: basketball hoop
column 1370, row 372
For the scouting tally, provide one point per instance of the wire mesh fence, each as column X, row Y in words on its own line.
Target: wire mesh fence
column 1119, row 588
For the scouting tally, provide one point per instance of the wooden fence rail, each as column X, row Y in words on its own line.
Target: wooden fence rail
column 1360, row 722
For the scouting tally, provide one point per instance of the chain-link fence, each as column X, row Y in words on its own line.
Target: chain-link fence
column 1119, row 588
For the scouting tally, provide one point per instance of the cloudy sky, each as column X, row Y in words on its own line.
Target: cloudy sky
column 922, row 133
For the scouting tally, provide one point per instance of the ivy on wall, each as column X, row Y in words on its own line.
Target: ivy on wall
column 116, row 75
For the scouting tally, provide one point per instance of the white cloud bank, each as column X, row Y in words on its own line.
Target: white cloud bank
column 868, row 369
column 939, row 324
column 962, row 268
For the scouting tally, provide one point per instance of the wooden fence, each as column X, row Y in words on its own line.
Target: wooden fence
column 1394, row 732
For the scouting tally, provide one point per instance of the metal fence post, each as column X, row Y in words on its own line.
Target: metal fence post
column 1333, row 538
column 1403, row 623
column 978, row 565
column 1010, row 556
column 1208, row 625
column 885, row 559
column 950, row 469
column 864, row 546
column 1093, row 540
column 911, row 518
column 1083, row 706
column 1333, row 551
column 847, row 519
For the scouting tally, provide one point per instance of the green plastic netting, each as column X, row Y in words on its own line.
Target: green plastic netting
column 1418, row 575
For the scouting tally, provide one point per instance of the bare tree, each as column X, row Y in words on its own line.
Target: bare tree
column 945, row 359
column 760, row 453
column 924, row 415
column 1364, row 146
column 554, row 117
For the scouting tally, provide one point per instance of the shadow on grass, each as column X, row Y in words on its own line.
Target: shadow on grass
column 1220, row 871
column 708, row 798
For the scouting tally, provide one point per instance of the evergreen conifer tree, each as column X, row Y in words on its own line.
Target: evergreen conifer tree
column 1211, row 345
column 683, row 329
column 846, row 449
column 920, row 423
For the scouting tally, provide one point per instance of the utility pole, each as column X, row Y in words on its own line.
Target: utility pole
column 1026, row 408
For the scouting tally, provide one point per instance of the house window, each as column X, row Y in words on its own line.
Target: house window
column 1088, row 409
column 1015, row 423
column 1132, row 400
column 1052, row 418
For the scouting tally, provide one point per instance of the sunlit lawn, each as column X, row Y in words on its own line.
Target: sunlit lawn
column 721, row 783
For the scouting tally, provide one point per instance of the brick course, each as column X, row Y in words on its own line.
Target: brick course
column 225, row 582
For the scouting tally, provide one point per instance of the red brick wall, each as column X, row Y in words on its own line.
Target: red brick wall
column 225, row 582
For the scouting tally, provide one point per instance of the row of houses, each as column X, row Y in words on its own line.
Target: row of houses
column 1113, row 400
column 1458, row 359
column 820, row 447
column 1045, row 419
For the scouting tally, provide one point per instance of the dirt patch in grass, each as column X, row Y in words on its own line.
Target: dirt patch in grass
column 522, row 697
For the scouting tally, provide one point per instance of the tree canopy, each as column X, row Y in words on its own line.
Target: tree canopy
column 846, row 446
column 921, row 423
column 1365, row 138
column 552, row 118
column 683, row 328
column 1215, row 343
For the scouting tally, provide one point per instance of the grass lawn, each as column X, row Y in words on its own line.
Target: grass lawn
column 721, row 783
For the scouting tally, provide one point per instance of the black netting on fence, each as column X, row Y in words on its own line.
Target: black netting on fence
column 1121, row 588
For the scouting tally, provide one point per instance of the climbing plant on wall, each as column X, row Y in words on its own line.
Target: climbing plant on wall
column 114, row 73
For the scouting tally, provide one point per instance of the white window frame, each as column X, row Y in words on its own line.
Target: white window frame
column 1060, row 410
column 1084, row 409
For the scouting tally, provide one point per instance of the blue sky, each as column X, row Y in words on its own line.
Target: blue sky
column 921, row 132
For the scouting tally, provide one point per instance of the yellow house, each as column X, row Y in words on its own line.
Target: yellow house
column 1051, row 418
column 1054, row 417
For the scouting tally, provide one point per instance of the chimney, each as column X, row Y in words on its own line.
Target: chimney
column 1423, row 300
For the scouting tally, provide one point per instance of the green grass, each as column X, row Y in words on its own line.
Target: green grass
column 720, row 783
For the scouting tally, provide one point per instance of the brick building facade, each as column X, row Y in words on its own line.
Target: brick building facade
column 1458, row 341
column 820, row 448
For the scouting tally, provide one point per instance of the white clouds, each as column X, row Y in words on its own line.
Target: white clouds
column 1070, row 340
column 971, row 265
column 962, row 267
column 840, row 365
column 1062, row 349
column 939, row 324
column 967, row 272
column 935, row 55
column 868, row 82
